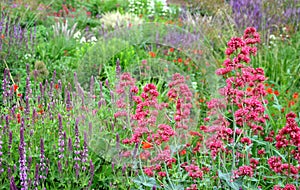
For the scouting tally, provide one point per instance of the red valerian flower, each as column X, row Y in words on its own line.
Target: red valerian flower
column 290, row 134
column 243, row 171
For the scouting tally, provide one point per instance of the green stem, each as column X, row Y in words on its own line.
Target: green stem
column 289, row 164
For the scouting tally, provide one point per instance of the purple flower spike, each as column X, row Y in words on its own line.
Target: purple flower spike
column 12, row 184
column 22, row 160
column 70, row 146
column 92, row 172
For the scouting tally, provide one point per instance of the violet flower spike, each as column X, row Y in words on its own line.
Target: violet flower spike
column 92, row 172
column 22, row 160
column 12, row 184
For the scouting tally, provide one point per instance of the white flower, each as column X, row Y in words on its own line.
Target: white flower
column 27, row 56
column 272, row 37
column 93, row 39
column 77, row 35
column 284, row 29
column 82, row 40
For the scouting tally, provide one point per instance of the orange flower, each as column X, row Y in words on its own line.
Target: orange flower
column 269, row 90
column 152, row 54
column 249, row 89
column 146, row 145
column 295, row 95
column 179, row 60
column 182, row 152
column 291, row 103
column 69, row 108
column 201, row 100
column 56, row 86
column 41, row 112
column 171, row 50
column 40, row 106
column 174, row 60
column 19, row 95
column 2, row 36
column 15, row 87
column 276, row 92
column 21, row 108
column 195, row 51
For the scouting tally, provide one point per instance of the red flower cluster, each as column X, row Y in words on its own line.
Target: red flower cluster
column 125, row 86
column 180, row 92
column 193, row 170
column 287, row 187
column 243, row 93
column 243, row 171
column 150, row 171
column 290, row 134
column 163, row 134
column 277, row 166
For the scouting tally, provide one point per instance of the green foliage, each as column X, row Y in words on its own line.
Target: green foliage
column 99, row 7
column 148, row 62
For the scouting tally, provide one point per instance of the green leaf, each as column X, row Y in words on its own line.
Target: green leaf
column 146, row 181
column 227, row 178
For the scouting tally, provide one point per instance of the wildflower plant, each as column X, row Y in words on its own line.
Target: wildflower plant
column 130, row 117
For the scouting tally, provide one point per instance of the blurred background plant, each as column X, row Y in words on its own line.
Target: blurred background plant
column 16, row 41
column 152, row 8
column 267, row 16
column 113, row 20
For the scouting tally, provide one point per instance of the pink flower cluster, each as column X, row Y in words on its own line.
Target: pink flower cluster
column 163, row 134
column 287, row 137
column 290, row 134
column 149, row 132
column 180, row 92
column 277, row 166
column 193, row 170
column 146, row 113
column 192, row 187
column 243, row 171
column 243, row 48
column 287, row 187
column 150, row 171
column 242, row 96
column 245, row 89
column 125, row 86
